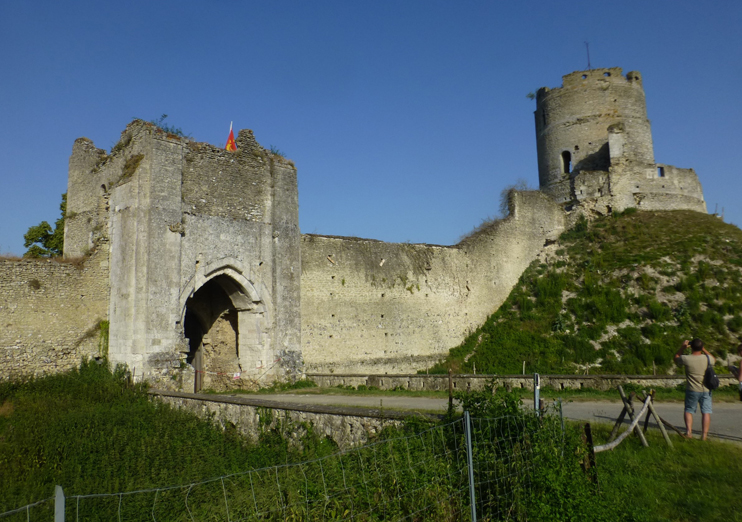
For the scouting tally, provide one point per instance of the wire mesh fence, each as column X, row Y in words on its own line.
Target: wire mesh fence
column 423, row 475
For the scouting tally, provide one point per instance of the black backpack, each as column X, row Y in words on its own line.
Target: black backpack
column 710, row 380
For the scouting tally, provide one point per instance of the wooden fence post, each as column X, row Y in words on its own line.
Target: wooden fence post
column 450, row 389
column 592, row 466
column 657, row 418
column 630, row 412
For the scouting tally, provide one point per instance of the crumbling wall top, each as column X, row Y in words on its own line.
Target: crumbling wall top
column 602, row 76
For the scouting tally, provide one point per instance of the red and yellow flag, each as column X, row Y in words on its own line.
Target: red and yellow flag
column 231, row 145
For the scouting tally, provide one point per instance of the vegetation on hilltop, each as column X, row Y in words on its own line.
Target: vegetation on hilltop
column 617, row 295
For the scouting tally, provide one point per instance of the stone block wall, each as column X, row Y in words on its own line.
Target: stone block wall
column 590, row 185
column 347, row 426
column 382, row 307
column 463, row 382
column 222, row 184
column 368, row 304
column 50, row 314
column 665, row 187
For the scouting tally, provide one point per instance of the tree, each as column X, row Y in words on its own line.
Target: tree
column 42, row 241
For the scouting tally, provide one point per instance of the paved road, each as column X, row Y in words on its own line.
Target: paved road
column 726, row 421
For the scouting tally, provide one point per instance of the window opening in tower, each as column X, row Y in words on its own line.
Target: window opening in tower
column 566, row 162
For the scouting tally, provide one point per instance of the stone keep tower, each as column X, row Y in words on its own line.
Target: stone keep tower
column 204, row 250
column 594, row 144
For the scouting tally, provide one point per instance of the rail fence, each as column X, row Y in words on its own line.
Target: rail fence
column 465, row 469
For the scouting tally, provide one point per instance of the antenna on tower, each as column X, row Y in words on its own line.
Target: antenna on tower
column 587, row 46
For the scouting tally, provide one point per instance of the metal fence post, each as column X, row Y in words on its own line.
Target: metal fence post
column 561, row 415
column 536, row 392
column 561, row 419
column 472, row 498
column 58, row 504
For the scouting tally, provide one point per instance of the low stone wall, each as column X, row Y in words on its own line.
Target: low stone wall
column 465, row 382
column 347, row 426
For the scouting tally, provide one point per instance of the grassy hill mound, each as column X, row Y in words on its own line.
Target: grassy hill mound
column 617, row 295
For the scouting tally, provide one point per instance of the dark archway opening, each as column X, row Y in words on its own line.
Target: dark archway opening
column 211, row 327
column 194, row 332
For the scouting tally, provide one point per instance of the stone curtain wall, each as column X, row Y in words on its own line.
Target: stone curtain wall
column 370, row 306
column 50, row 314
column 373, row 305
column 678, row 189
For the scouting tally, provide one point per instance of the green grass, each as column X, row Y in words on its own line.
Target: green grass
column 694, row 481
column 620, row 295
column 91, row 431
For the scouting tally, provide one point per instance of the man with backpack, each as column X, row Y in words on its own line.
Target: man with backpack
column 696, row 390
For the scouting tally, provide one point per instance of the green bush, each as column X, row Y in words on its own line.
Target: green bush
column 550, row 480
column 659, row 311
column 735, row 323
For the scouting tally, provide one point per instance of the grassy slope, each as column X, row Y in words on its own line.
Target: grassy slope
column 618, row 295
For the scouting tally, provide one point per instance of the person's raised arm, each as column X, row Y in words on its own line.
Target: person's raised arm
column 682, row 349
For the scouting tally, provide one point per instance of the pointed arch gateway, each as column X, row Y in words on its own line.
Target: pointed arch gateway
column 225, row 325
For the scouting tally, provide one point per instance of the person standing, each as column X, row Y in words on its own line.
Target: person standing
column 695, row 392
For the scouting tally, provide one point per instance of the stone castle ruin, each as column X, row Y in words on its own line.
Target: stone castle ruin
column 595, row 147
column 190, row 258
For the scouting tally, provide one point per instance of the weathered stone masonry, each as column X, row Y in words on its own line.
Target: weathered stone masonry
column 347, row 426
column 194, row 254
column 400, row 307
column 594, row 143
column 50, row 314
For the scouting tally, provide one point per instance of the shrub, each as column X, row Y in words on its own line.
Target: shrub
column 735, row 323
column 659, row 311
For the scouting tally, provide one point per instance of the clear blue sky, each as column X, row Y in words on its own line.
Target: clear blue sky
column 405, row 119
